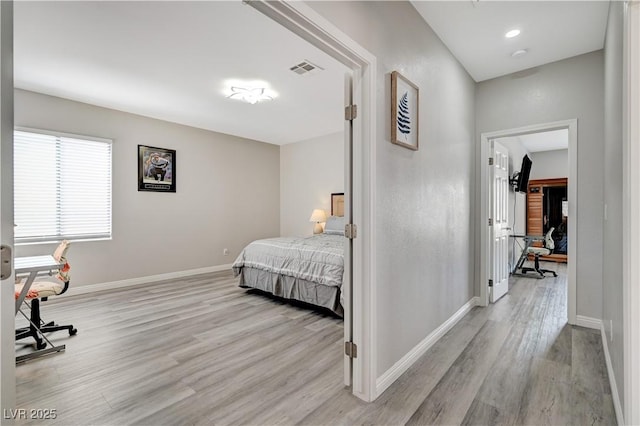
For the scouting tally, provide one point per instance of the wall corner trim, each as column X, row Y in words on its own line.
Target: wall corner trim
column 612, row 378
column 393, row 373
column 588, row 322
column 92, row 288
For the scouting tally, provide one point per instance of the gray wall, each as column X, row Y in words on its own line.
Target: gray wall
column 424, row 200
column 309, row 172
column 567, row 89
column 222, row 182
column 612, row 306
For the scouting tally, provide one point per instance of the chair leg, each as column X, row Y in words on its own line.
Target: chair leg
column 543, row 271
column 54, row 327
column 536, row 261
column 37, row 326
column 32, row 330
column 547, row 271
column 51, row 326
column 536, row 268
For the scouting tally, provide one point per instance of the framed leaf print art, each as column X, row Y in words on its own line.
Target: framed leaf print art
column 404, row 112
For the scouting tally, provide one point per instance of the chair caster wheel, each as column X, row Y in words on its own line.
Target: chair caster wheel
column 73, row 332
column 41, row 345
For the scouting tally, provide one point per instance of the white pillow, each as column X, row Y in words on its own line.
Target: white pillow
column 334, row 225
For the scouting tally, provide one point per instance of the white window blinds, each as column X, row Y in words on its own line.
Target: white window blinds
column 62, row 187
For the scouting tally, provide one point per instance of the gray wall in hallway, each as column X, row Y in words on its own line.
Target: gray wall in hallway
column 567, row 89
column 612, row 305
column 424, row 199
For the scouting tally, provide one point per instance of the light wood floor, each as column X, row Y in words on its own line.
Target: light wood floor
column 202, row 351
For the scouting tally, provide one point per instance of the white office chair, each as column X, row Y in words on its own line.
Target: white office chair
column 549, row 245
column 41, row 289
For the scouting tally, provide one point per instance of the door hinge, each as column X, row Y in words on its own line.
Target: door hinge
column 5, row 262
column 350, row 231
column 490, row 222
column 491, row 161
column 351, row 349
column 490, row 283
column 350, row 112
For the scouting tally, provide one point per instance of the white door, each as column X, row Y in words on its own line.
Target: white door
column 348, row 245
column 7, row 307
column 499, row 175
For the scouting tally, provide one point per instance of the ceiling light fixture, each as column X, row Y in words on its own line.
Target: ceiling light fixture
column 519, row 53
column 250, row 95
column 512, row 33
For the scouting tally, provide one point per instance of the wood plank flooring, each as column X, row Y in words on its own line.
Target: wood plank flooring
column 201, row 351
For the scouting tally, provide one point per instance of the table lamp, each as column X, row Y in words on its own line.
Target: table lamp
column 318, row 216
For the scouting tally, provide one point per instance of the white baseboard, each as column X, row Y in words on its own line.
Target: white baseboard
column 393, row 373
column 588, row 322
column 612, row 378
column 143, row 280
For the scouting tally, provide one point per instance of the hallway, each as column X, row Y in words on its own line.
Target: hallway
column 516, row 362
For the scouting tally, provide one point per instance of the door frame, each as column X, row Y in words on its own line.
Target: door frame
column 302, row 20
column 485, row 240
column 7, row 306
column 630, row 215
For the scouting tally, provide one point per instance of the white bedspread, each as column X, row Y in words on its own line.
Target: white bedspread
column 319, row 258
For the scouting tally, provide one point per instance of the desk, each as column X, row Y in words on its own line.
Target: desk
column 528, row 240
column 34, row 266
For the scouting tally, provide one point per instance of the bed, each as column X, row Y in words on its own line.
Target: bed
column 307, row 269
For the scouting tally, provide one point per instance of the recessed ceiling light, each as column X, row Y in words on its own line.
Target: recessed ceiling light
column 519, row 53
column 512, row 33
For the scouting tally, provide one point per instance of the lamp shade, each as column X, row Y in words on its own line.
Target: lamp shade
column 318, row 215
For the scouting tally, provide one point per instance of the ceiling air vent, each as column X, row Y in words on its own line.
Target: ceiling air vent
column 305, row 67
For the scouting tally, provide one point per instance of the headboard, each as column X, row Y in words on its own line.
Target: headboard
column 337, row 204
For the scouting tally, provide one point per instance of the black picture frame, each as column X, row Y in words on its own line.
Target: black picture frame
column 156, row 169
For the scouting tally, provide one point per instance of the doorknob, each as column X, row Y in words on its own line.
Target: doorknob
column 5, row 262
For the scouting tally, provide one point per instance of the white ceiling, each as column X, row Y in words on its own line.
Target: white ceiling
column 542, row 141
column 174, row 60
column 550, row 31
column 546, row 141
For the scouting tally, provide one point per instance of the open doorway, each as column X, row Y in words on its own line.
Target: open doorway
column 360, row 62
column 308, row 24
column 359, row 153
column 541, row 204
column 533, row 141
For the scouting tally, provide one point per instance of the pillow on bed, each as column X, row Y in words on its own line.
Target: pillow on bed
column 334, row 225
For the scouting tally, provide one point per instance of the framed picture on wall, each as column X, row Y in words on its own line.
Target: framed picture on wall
column 404, row 112
column 156, row 169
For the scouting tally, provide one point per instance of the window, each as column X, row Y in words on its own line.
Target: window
column 62, row 187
